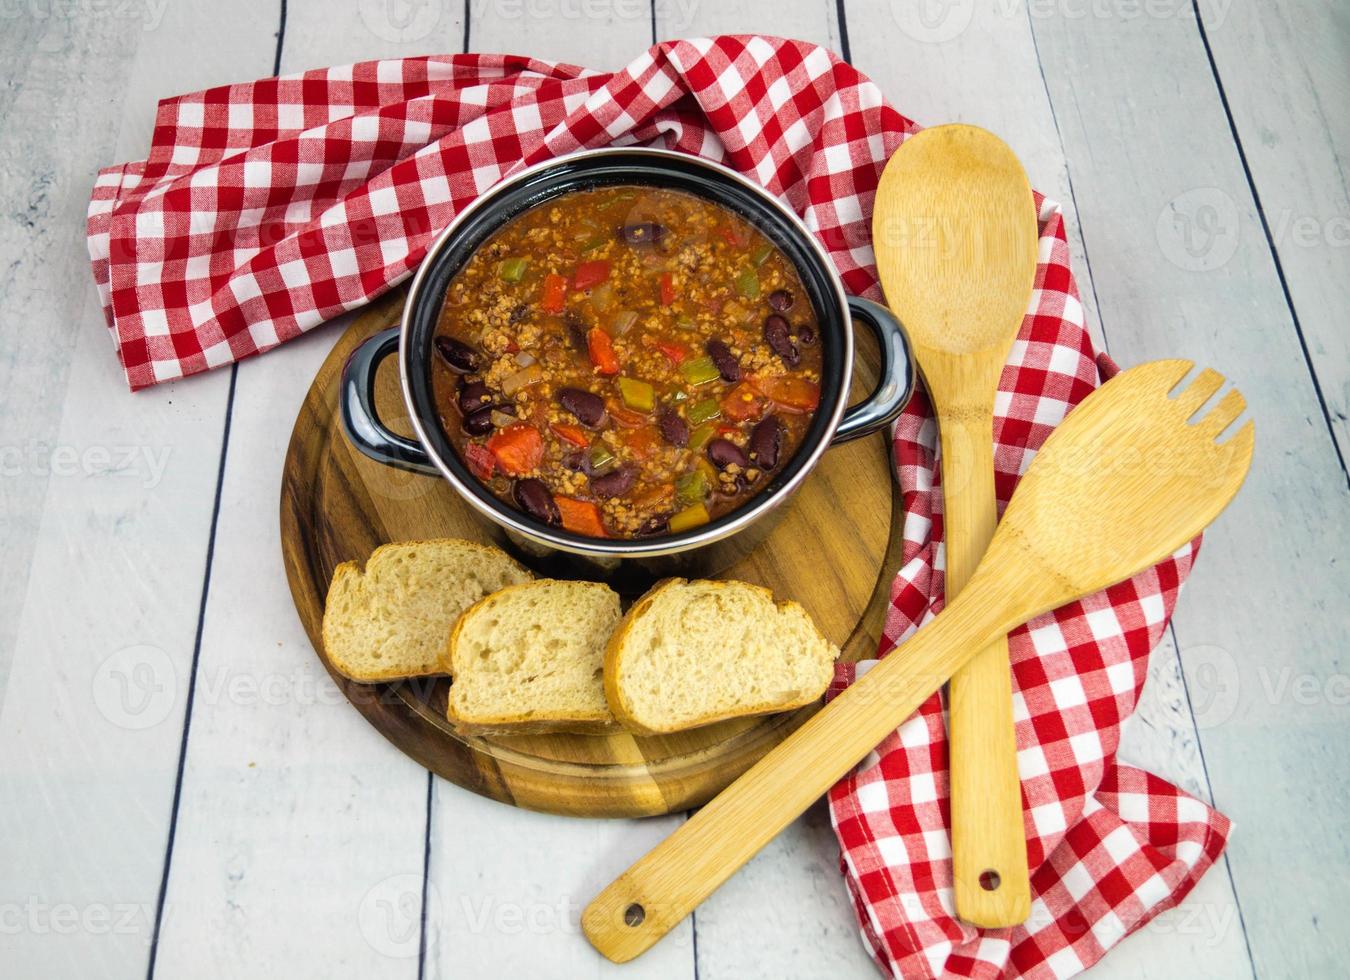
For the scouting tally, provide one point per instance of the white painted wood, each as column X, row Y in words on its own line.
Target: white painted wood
column 93, row 708
column 507, row 887
column 301, row 832
column 1283, row 70
column 814, row 22
column 1261, row 626
column 62, row 76
column 604, row 34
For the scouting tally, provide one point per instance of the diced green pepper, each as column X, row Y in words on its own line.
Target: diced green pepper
column 692, row 488
column 592, row 244
column 601, row 456
column 701, row 436
column 704, row 411
column 513, row 270
column 685, row 322
column 688, row 518
column 760, row 254
column 747, row 284
column 637, row 395
column 700, row 371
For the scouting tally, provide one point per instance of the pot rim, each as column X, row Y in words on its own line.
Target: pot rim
column 757, row 506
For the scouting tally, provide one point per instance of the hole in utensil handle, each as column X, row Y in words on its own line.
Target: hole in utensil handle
column 990, row 880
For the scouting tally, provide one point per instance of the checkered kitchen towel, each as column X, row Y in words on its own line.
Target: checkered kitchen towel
column 265, row 208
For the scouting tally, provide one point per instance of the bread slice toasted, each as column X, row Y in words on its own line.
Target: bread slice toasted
column 529, row 659
column 392, row 620
column 692, row 653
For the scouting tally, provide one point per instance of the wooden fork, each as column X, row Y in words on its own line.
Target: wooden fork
column 1125, row 481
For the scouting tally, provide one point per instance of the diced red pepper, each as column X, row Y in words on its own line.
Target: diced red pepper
column 790, row 394
column 581, row 516
column 601, row 349
column 742, row 403
column 590, row 274
column 518, row 448
column 643, row 441
column 555, row 293
column 480, row 460
column 677, row 353
column 731, row 236
column 624, row 416
column 571, row 433
column 667, row 288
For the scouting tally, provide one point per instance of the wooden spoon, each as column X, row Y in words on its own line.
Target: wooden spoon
column 955, row 232
column 1120, row 485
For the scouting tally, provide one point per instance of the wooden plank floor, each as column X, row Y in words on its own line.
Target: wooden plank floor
column 184, row 793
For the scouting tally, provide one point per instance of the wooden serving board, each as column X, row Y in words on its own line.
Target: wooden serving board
column 835, row 552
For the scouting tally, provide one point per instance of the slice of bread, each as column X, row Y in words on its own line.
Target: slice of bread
column 692, row 653
column 529, row 659
column 392, row 620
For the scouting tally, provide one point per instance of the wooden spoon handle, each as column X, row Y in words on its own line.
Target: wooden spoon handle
column 665, row 885
column 989, row 848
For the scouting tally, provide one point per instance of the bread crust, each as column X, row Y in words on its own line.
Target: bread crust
column 350, row 574
column 614, row 657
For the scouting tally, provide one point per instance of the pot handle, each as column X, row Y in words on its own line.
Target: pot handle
column 896, row 382
column 360, row 421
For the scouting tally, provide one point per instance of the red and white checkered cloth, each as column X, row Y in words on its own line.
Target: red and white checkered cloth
column 268, row 207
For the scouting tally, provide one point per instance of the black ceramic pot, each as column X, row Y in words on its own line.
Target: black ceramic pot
column 703, row 550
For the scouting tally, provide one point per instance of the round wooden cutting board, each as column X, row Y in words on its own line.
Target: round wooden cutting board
column 835, row 552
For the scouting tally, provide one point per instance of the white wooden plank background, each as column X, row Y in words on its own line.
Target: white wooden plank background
column 183, row 793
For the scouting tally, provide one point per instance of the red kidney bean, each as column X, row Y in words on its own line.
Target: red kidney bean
column 779, row 335
column 461, row 358
column 578, row 461
column 766, row 439
column 724, row 452
column 588, row 407
column 805, row 334
column 478, row 423
column 674, row 429
column 726, row 362
column 643, row 233
column 473, row 396
column 533, row 498
column 615, row 483
column 780, row 300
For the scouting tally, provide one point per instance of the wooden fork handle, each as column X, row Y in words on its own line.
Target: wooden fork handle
column 665, row 885
column 989, row 849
